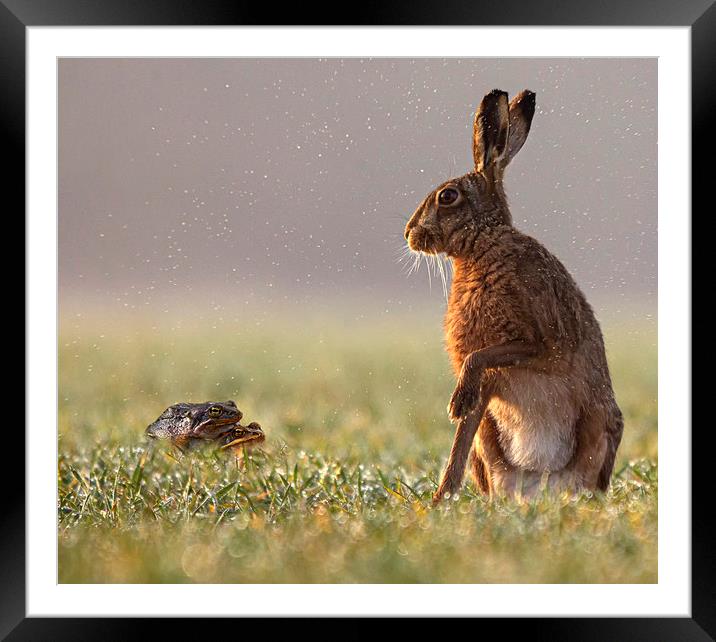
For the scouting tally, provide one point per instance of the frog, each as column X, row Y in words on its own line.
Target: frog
column 189, row 424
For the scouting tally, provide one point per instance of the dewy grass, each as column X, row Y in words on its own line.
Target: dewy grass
column 340, row 492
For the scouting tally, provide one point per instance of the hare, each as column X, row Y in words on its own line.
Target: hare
column 534, row 404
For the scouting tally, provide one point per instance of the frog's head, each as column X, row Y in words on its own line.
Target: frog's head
column 244, row 436
column 213, row 418
column 203, row 420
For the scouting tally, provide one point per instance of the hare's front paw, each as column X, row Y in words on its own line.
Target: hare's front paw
column 447, row 488
column 463, row 401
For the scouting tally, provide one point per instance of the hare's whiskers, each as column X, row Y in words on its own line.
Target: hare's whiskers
column 402, row 253
column 416, row 264
column 441, row 266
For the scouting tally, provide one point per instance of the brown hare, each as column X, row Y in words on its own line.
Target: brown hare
column 534, row 404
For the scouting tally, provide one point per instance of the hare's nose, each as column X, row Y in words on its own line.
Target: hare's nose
column 414, row 220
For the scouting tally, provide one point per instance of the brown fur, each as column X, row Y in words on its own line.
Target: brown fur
column 524, row 343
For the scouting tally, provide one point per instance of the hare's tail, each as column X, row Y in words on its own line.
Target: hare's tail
column 615, row 428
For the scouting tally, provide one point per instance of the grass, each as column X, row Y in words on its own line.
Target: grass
column 357, row 433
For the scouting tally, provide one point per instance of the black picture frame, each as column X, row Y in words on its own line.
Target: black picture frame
column 699, row 15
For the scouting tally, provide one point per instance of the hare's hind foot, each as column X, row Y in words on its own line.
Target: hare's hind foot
column 529, row 484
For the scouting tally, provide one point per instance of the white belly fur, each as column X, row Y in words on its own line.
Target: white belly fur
column 536, row 415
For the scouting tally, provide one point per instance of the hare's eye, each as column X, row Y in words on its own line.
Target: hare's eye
column 448, row 196
column 214, row 411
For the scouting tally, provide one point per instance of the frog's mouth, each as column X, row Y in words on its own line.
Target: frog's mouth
column 225, row 422
column 216, row 428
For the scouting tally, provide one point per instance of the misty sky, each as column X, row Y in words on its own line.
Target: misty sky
column 208, row 180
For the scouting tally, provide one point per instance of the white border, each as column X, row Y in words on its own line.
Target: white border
column 671, row 596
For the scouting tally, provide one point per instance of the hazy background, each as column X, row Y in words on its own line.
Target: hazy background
column 214, row 188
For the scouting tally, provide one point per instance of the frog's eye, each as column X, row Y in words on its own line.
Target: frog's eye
column 214, row 411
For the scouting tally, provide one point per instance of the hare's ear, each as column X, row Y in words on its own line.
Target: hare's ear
column 522, row 109
column 490, row 130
